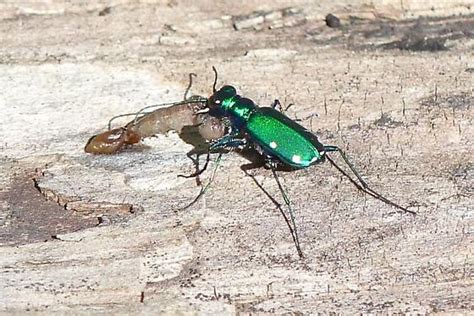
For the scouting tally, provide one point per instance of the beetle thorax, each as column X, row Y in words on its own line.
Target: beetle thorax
column 238, row 107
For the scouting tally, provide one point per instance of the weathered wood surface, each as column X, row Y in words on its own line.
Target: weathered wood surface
column 106, row 233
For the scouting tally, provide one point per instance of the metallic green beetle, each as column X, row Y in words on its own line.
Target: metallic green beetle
column 279, row 139
column 273, row 133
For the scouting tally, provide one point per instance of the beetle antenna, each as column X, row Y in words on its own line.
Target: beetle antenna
column 363, row 186
column 215, row 79
column 189, row 85
column 109, row 125
column 196, row 99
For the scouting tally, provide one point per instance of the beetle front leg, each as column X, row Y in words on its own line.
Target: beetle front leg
column 228, row 141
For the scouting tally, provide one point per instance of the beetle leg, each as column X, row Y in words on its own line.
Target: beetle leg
column 294, row 231
column 228, row 141
column 277, row 103
column 225, row 142
column 198, row 171
column 347, row 161
column 363, row 185
column 204, row 189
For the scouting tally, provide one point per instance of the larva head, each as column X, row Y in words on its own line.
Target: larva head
column 112, row 141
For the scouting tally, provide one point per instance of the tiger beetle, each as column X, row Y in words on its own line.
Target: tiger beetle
column 280, row 140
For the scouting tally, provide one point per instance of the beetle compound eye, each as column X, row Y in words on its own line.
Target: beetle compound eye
column 214, row 103
column 229, row 90
column 224, row 93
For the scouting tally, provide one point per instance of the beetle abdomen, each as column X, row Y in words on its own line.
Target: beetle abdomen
column 279, row 136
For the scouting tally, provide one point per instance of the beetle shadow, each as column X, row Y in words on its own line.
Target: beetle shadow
column 190, row 135
column 258, row 161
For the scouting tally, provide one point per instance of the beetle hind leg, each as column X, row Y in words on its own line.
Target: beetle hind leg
column 347, row 161
column 361, row 185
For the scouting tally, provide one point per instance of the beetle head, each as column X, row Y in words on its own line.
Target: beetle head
column 216, row 100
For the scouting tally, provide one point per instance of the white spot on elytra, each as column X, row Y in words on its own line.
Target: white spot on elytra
column 296, row 159
column 273, row 145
